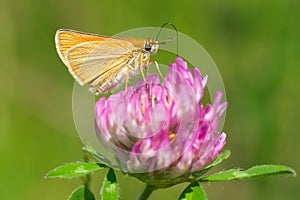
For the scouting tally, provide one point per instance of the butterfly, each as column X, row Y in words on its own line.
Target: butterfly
column 103, row 62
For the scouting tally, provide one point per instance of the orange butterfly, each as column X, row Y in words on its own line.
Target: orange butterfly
column 101, row 61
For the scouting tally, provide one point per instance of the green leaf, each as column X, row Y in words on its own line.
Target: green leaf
column 110, row 188
column 82, row 193
column 193, row 192
column 96, row 155
column 73, row 170
column 224, row 155
column 253, row 172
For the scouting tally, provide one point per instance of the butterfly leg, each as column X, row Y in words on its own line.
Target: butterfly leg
column 147, row 69
column 142, row 72
column 157, row 67
column 127, row 77
column 140, row 62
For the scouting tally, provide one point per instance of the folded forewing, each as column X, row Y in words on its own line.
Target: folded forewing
column 87, row 56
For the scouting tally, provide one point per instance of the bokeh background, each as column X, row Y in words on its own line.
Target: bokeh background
column 255, row 44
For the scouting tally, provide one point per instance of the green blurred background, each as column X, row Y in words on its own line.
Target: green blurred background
column 256, row 45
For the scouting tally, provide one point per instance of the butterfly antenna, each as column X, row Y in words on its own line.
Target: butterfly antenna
column 168, row 23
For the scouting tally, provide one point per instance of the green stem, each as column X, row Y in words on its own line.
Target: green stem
column 147, row 192
column 87, row 178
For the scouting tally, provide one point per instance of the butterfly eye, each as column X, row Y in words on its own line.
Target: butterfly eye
column 147, row 47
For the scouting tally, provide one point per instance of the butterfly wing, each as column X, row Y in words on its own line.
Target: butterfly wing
column 88, row 56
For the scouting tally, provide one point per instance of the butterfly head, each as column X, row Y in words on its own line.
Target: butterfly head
column 151, row 46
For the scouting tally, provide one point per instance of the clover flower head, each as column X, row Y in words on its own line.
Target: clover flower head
column 161, row 132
